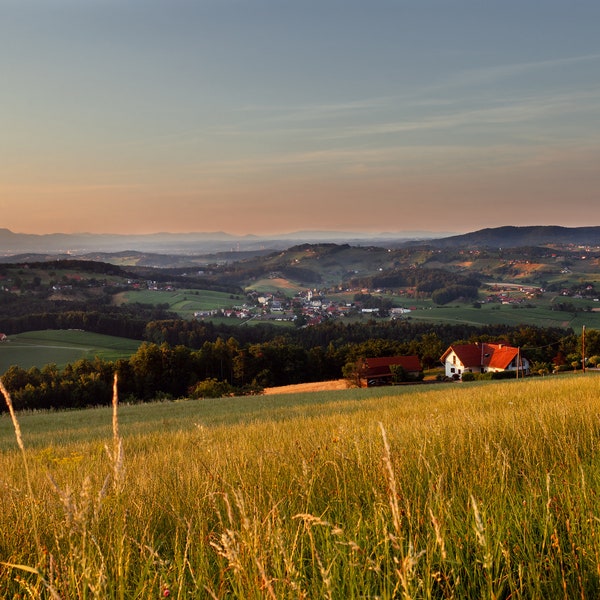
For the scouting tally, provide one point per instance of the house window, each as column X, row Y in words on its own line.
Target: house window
column 452, row 369
column 454, row 359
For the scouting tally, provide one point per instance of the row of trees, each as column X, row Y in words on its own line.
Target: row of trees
column 374, row 337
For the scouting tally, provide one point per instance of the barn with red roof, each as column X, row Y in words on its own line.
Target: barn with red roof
column 380, row 371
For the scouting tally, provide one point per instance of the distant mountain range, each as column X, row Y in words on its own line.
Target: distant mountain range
column 80, row 244
column 190, row 244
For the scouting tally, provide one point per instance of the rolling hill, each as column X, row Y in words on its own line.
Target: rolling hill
column 512, row 236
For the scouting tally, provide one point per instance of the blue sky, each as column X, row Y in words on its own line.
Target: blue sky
column 265, row 116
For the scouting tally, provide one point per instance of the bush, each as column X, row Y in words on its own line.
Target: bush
column 211, row 388
column 504, row 375
column 594, row 361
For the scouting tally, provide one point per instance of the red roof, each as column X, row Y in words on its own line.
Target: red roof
column 381, row 366
column 502, row 356
column 495, row 356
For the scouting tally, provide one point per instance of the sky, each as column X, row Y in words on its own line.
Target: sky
column 272, row 116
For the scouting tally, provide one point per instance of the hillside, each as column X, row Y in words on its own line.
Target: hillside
column 513, row 236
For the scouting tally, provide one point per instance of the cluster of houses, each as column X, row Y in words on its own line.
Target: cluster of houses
column 310, row 305
column 512, row 295
column 457, row 360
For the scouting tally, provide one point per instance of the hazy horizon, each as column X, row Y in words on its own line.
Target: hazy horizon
column 260, row 117
column 315, row 232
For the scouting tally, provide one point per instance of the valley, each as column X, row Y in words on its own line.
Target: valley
column 294, row 316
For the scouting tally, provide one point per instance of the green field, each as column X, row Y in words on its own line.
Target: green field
column 539, row 315
column 184, row 302
column 60, row 347
column 480, row 490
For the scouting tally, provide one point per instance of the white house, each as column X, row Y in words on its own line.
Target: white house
column 483, row 358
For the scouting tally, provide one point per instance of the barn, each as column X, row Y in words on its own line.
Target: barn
column 380, row 371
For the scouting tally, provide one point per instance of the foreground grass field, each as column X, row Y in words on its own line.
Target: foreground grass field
column 482, row 490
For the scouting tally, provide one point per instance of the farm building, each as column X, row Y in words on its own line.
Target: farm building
column 483, row 358
column 380, row 371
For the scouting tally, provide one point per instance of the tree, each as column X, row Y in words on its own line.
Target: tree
column 594, row 361
column 540, row 368
column 147, row 370
column 353, row 371
column 592, row 341
column 429, row 349
column 399, row 373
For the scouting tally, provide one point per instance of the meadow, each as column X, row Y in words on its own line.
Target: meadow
column 183, row 302
column 506, row 315
column 60, row 347
column 479, row 490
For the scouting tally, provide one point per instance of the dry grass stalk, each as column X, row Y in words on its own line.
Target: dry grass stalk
column 480, row 534
column 21, row 445
column 438, row 535
column 40, row 550
column 116, row 455
column 393, row 494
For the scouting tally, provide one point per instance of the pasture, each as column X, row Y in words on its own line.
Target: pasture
column 539, row 314
column 183, row 302
column 60, row 347
column 480, row 490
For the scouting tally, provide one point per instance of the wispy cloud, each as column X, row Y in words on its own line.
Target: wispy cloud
column 531, row 108
column 488, row 74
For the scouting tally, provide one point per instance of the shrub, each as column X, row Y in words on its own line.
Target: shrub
column 504, row 375
column 594, row 361
column 211, row 388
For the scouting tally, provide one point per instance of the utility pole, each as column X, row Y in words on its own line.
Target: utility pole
column 583, row 349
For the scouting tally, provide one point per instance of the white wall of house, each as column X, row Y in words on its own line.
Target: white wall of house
column 453, row 366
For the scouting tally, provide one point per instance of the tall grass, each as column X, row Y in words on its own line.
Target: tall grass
column 465, row 491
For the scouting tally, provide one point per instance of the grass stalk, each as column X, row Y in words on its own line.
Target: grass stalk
column 25, row 462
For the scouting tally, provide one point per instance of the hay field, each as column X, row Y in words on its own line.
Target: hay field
column 482, row 490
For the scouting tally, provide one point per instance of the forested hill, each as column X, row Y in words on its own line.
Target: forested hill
column 512, row 237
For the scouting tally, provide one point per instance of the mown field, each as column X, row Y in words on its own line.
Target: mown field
column 183, row 302
column 60, row 347
column 482, row 490
column 496, row 314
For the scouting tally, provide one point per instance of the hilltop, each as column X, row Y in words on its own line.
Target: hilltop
column 513, row 236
